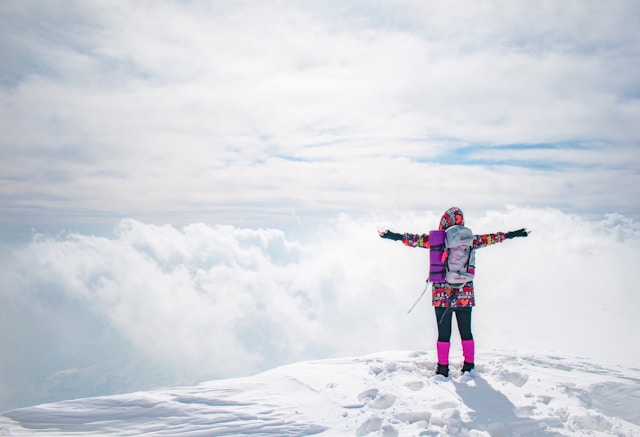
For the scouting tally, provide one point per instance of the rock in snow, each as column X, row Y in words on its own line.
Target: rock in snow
column 384, row 394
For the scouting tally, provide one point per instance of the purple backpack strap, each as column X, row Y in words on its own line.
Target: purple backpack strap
column 436, row 249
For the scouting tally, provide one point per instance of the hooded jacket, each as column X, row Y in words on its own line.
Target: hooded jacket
column 441, row 292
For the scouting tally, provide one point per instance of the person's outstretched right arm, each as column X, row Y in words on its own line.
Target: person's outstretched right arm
column 391, row 235
column 484, row 240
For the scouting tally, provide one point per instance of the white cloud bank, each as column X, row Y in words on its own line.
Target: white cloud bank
column 156, row 305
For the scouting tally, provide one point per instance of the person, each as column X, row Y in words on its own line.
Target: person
column 448, row 300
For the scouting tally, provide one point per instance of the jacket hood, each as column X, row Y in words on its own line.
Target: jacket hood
column 452, row 216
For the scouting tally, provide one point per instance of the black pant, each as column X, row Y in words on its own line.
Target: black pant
column 463, row 317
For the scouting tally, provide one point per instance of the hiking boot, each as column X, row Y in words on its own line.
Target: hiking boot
column 467, row 367
column 443, row 370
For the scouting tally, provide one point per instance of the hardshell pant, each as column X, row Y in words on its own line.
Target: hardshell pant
column 444, row 317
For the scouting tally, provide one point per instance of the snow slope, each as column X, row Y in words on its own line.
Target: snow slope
column 386, row 394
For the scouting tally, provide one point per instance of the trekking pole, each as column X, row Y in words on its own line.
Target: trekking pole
column 423, row 292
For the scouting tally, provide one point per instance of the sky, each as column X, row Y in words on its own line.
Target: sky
column 184, row 182
column 282, row 112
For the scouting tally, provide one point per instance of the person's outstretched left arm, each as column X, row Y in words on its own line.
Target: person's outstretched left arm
column 484, row 240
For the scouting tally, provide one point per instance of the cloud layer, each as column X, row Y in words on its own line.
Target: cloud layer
column 156, row 305
column 275, row 138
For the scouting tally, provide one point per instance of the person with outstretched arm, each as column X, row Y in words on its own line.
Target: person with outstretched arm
column 448, row 298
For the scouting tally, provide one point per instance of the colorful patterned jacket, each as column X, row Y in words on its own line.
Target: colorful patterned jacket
column 442, row 295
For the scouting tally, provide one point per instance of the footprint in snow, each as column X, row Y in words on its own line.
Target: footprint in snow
column 382, row 402
column 377, row 400
column 374, row 424
column 368, row 394
column 414, row 385
column 516, row 378
column 370, row 425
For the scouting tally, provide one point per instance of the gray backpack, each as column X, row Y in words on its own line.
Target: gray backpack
column 460, row 256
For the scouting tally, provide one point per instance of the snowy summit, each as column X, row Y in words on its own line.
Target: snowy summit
column 384, row 394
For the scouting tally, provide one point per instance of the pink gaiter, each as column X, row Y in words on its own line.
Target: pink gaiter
column 468, row 350
column 443, row 352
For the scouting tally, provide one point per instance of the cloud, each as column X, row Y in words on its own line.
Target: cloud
column 200, row 301
column 274, row 119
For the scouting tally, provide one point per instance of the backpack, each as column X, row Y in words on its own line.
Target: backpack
column 452, row 258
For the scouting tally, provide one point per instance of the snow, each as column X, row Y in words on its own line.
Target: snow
column 385, row 394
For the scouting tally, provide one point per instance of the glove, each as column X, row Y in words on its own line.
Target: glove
column 391, row 235
column 519, row 233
